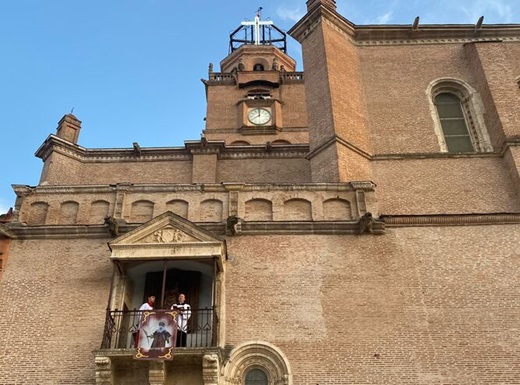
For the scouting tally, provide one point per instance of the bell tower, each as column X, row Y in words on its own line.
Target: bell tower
column 258, row 96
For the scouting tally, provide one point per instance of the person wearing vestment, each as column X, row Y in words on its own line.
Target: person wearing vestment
column 148, row 305
column 183, row 316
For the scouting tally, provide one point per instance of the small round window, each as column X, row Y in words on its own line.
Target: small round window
column 256, row 377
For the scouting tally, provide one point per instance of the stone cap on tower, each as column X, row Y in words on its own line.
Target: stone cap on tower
column 68, row 128
column 331, row 4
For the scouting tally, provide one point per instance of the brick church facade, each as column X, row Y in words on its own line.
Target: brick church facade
column 354, row 223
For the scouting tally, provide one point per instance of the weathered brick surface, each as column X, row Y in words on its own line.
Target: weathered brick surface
column 415, row 306
column 53, row 297
column 445, row 186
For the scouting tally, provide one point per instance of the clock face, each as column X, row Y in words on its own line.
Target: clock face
column 259, row 116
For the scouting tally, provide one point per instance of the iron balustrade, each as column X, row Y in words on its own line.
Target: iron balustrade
column 121, row 327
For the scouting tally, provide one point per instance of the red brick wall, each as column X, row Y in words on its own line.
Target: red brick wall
column 415, row 306
column 445, row 186
column 53, row 297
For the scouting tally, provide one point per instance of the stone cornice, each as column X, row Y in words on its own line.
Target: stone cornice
column 108, row 155
column 313, row 18
column 5, row 232
column 435, row 34
column 510, row 142
column 23, row 232
column 374, row 35
column 157, row 154
column 434, row 155
column 20, row 231
column 24, row 190
column 254, row 151
column 451, row 219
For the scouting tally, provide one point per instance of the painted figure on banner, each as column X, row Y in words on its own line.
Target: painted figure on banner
column 161, row 337
column 157, row 335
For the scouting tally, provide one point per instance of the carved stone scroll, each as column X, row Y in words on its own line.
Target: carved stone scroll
column 210, row 369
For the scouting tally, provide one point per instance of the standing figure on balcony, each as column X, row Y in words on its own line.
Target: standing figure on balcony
column 182, row 320
column 161, row 336
column 148, row 305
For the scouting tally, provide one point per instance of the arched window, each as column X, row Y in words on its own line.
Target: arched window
column 453, row 123
column 258, row 67
column 458, row 115
column 256, row 377
column 257, row 362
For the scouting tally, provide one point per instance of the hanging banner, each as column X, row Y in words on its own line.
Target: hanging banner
column 156, row 335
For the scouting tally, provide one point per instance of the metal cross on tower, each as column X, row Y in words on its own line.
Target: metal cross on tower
column 256, row 24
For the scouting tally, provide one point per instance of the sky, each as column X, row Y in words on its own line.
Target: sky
column 131, row 70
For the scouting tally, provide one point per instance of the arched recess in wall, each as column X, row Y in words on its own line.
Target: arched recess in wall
column 259, row 93
column 257, row 355
column 38, row 213
column 281, row 142
column 69, row 213
column 297, row 209
column 178, row 206
column 98, row 212
column 141, row 211
column 337, row 209
column 239, row 143
column 260, row 64
column 455, row 107
column 259, row 210
column 211, row 210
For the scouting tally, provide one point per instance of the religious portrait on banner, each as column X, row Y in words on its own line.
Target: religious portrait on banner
column 156, row 335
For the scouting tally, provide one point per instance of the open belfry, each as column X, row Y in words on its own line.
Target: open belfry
column 357, row 222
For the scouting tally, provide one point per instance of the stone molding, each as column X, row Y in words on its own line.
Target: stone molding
column 451, row 219
column 435, row 155
column 58, row 145
column 19, row 231
column 376, row 35
column 435, row 41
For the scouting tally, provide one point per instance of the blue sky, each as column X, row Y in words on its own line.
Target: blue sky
column 131, row 69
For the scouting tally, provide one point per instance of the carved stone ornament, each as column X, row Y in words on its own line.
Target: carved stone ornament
column 210, row 369
column 167, row 235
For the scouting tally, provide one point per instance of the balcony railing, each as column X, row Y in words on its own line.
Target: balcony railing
column 121, row 328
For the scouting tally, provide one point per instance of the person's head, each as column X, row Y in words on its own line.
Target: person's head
column 182, row 298
column 151, row 299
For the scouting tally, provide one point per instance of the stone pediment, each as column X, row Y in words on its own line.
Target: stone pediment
column 168, row 236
